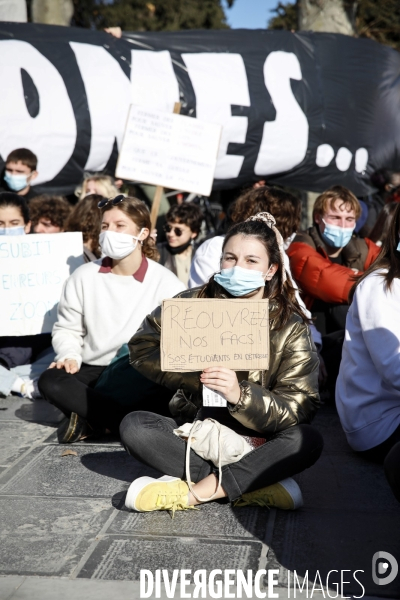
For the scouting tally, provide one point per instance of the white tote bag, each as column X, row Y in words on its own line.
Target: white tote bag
column 212, row 441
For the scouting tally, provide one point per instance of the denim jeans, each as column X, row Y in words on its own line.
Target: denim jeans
column 150, row 438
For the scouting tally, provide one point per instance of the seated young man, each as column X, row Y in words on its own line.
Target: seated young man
column 49, row 214
column 324, row 261
column 20, row 171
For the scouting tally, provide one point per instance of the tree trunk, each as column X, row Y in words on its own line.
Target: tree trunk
column 52, row 12
column 13, row 10
column 334, row 16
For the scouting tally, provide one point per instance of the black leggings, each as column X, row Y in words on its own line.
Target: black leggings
column 388, row 454
column 75, row 393
column 149, row 438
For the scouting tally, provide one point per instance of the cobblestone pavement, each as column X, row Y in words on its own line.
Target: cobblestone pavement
column 65, row 532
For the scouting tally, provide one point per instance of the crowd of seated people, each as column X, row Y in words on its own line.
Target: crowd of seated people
column 106, row 375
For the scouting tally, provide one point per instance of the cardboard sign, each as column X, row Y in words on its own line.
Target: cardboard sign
column 33, row 269
column 201, row 332
column 170, row 150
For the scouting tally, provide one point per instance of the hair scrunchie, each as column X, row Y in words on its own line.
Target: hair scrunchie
column 269, row 220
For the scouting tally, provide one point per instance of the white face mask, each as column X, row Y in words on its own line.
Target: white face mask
column 118, row 245
column 19, row 230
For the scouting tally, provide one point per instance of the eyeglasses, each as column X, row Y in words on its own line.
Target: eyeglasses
column 178, row 232
column 113, row 201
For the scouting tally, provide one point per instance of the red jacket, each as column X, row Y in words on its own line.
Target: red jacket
column 317, row 276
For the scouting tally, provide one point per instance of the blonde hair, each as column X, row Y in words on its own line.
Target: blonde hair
column 326, row 201
column 104, row 186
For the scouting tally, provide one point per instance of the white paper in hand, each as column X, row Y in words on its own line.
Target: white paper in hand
column 212, row 398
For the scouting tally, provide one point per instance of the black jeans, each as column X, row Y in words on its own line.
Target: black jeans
column 75, row 393
column 388, row 454
column 149, row 438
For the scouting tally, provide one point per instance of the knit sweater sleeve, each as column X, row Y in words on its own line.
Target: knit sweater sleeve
column 69, row 329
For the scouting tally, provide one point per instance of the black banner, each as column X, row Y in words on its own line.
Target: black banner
column 308, row 110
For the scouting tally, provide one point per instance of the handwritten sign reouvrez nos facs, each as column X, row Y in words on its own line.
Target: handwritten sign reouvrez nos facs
column 170, row 150
column 33, row 269
column 199, row 332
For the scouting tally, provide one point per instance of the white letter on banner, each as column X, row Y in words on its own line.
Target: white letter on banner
column 284, row 142
column 108, row 95
column 154, row 84
column 219, row 80
column 51, row 135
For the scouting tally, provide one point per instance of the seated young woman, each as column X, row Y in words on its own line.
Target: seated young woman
column 102, row 303
column 368, row 385
column 276, row 404
column 17, row 350
column 181, row 230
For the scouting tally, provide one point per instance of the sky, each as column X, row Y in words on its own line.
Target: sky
column 250, row 14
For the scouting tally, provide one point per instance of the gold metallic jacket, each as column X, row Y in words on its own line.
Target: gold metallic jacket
column 284, row 395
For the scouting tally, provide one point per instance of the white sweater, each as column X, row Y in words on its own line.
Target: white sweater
column 368, row 386
column 99, row 312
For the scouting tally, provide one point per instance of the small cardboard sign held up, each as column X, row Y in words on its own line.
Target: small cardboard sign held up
column 199, row 332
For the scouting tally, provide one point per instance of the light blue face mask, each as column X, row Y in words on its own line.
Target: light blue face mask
column 336, row 236
column 16, row 182
column 20, row 230
column 238, row 281
column 398, row 247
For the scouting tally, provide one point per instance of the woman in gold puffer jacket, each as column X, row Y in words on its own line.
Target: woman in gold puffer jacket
column 272, row 408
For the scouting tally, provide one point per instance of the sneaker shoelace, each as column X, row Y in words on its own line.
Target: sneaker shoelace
column 263, row 501
column 172, row 502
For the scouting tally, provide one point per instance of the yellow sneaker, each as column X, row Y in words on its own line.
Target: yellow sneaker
column 285, row 494
column 166, row 493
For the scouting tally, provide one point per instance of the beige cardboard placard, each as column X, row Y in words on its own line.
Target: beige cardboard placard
column 201, row 332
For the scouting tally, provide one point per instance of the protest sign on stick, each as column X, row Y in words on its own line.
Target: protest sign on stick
column 33, row 271
column 198, row 333
column 155, row 207
column 169, row 150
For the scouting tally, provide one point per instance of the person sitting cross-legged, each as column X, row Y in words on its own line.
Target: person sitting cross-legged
column 275, row 405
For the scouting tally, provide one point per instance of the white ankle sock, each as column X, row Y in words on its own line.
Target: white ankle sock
column 17, row 385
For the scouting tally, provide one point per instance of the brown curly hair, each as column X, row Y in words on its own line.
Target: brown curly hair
column 86, row 217
column 54, row 208
column 285, row 207
column 138, row 212
column 188, row 214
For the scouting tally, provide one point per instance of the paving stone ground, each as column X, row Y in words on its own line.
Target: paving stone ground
column 65, row 532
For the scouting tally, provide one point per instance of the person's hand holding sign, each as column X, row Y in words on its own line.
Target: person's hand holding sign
column 70, row 365
column 222, row 380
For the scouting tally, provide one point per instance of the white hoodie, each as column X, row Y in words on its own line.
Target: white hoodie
column 368, row 385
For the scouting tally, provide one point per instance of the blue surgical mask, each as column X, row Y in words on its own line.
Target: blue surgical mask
column 398, row 247
column 238, row 281
column 20, row 230
column 336, row 236
column 16, row 182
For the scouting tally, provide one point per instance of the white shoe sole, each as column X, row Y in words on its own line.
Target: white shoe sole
column 295, row 492
column 138, row 485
